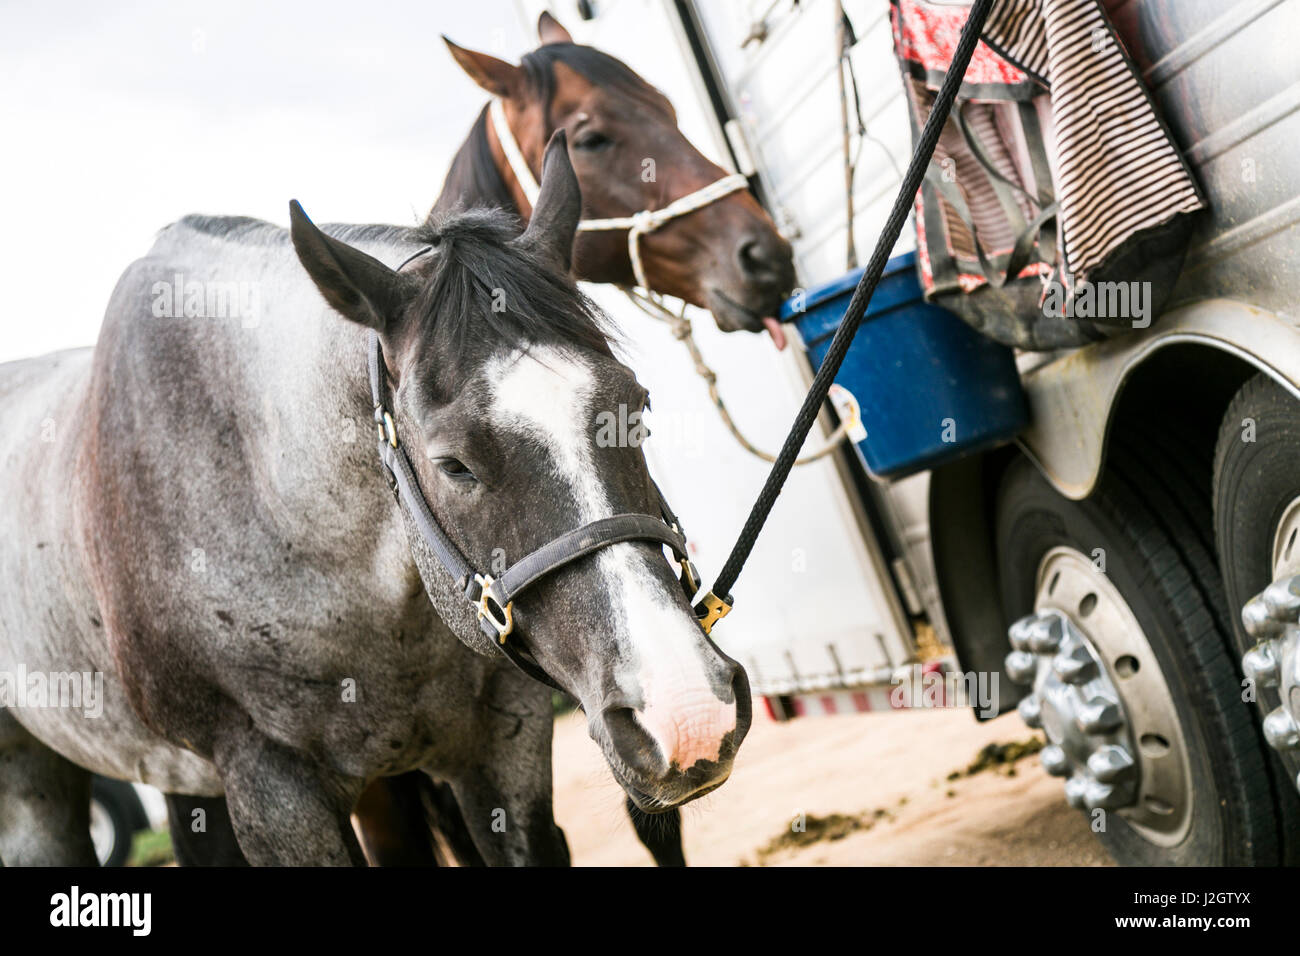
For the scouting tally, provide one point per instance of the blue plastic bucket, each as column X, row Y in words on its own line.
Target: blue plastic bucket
column 932, row 389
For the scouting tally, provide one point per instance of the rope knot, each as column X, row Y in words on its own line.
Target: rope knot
column 647, row 220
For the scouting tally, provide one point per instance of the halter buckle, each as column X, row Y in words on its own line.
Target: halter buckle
column 502, row 623
column 385, row 426
column 690, row 577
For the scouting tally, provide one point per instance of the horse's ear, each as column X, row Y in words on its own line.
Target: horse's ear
column 549, row 30
column 357, row 286
column 555, row 217
column 496, row 76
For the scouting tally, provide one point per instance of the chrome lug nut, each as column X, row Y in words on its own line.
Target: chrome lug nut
column 1054, row 761
column 1074, row 665
column 1282, row 598
column 1099, row 716
column 1260, row 664
column 1110, row 763
column 1045, row 635
column 1075, row 791
column 1022, row 667
column 1100, row 796
column 1259, row 620
column 1019, row 632
column 1031, row 712
column 1281, row 730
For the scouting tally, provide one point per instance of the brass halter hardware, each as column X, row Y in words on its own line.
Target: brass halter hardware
column 385, row 426
column 690, row 577
column 711, row 610
column 503, row 624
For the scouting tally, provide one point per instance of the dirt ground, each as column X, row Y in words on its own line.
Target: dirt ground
column 870, row 789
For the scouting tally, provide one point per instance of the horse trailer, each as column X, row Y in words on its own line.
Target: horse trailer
column 285, row 504
column 1126, row 574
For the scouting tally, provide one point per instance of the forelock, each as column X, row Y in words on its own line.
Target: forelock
column 486, row 293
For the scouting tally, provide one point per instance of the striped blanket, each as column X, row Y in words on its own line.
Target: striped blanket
column 1055, row 167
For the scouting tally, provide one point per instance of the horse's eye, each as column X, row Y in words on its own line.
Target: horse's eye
column 592, row 142
column 455, row 469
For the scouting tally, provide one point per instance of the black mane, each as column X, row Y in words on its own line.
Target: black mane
column 473, row 177
column 486, row 290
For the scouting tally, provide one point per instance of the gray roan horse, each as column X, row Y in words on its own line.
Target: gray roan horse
column 195, row 511
column 726, row 255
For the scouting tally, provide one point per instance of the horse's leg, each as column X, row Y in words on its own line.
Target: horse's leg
column 202, row 834
column 660, row 833
column 286, row 809
column 446, row 818
column 505, row 797
column 510, row 819
column 44, row 803
column 394, row 824
column 413, row 820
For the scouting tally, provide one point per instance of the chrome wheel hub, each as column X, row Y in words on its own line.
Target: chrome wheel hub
column 1079, row 709
column 1273, row 619
column 1101, row 700
column 102, row 833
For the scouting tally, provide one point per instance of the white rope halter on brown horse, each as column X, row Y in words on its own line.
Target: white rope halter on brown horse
column 640, row 224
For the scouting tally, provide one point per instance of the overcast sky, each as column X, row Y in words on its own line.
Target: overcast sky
column 118, row 118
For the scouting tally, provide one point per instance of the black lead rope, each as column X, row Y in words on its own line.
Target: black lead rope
column 718, row 602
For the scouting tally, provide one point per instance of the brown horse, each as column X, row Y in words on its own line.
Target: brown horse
column 726, row 256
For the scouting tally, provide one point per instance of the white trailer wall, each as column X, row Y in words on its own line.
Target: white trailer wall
column 813, row 607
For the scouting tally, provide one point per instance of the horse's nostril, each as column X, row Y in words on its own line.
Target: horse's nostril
column 761, row 260
column 635, row 745
column 751, row 256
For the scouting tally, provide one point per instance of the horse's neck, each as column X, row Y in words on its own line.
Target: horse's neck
column 474, row 179
column 310, row 352
column 310, row 437
column 317, row 385
column 308, row 361
column 290, row 381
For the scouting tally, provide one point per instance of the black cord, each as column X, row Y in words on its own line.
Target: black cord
column 839, row 346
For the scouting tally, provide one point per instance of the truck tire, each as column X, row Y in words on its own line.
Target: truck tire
column 1198, row 791
column 115, row 815
column 1256, row 487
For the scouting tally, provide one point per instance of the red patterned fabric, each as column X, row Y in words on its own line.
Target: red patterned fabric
column 928, row 36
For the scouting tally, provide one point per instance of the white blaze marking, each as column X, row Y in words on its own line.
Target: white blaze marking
column 549, row 394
